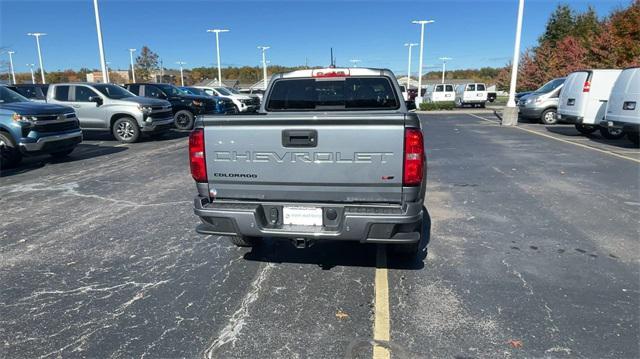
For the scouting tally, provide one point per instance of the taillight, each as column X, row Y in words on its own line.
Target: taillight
column 331, row 73
column 587, row 86
column 413, row 157
column 196, row 155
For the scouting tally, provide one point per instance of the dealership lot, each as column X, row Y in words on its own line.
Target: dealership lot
column 533, row 252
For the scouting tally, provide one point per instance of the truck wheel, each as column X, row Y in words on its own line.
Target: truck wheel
column 10, row 156
column 183, row 120
column 126, row 130
column 244, row 241
column 549, row 117
column 634, row 137
column 586, row 129
column 62, row 154
column 611, row 133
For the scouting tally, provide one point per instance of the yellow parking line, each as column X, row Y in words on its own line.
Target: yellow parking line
column 563, row 140
column 381, row 326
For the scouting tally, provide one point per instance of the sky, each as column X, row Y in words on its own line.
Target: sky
column 474, row 33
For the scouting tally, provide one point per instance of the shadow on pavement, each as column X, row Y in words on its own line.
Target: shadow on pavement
column 83, row 151
column 107, row 136
column 570, row 131
column 330, row 254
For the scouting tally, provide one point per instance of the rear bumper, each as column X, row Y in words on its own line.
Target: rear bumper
column 569, row 119
column 626, row 126
column 363, row 223
column 51, row 143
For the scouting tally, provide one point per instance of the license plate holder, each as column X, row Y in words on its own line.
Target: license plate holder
column 302, row 216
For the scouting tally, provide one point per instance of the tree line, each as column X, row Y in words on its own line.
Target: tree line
column 579, row 40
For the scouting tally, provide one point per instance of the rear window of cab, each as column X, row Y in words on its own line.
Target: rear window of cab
column 333, row 94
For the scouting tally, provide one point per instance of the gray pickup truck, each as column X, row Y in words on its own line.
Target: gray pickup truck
column 333, row 154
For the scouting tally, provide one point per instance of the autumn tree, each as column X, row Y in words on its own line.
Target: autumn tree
column 146, row 64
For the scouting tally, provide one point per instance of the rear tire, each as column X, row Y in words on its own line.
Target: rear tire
column 183, row 120
column 586, row 129
column 62, row 154
column 607, row 133
column 10, row 155
column 244, row 241
column 126, row 130
column 549, row 117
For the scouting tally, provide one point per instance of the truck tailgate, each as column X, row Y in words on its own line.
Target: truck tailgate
column 320, row 158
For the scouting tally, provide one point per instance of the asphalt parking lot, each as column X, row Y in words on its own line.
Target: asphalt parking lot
column 533, row 252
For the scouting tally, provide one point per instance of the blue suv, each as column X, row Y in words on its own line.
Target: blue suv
column 30, row 128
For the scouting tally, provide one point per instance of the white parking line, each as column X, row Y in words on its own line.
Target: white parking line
column 563, row 140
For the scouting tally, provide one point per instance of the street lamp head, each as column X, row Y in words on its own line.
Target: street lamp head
column 410, row 44
column 217, row 30
column 36, row 34
column 10, row 52
column 422, row 22
column 445, row 58
column 181, row 63
column 132, row 50
column 263, row 48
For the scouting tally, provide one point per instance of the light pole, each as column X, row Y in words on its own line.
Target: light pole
column 103, row 65
column 510, row 116
column 444, row 66
column 37, row 36
column 107, row 63
column 217, row 32
column 264, row 65
column 33, row 77
column 421, row 23
column 133, row 69
column 13, row 73
column 355, row 62
column 181, row 74
column 410, row 46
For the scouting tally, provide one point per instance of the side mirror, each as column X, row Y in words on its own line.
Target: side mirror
column 96, row 99
column 411, row 105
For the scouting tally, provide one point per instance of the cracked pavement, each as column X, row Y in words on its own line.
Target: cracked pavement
column 533, row 252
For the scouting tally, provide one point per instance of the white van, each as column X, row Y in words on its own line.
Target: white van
column 623, row 108
column 583, row 99
column 474, row 94
column 440, row 93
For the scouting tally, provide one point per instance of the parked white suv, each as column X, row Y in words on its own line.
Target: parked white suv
column 440, row 93
column 242, row 102
column 623, row 107
column 474, row 94
column 583, row 99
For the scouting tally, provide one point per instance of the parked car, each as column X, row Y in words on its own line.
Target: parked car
column 109, row 107
column 312, row 176
column 34, row 92
column 474, row 94
column 440, row 93
column 520, row 94
column 583, row 99
column 623, row 107
column 223, row 104
column 30, row 128
column 243, row 103
column 256, row 92
column 185, row 106
column 542, row 104
column 252, row 95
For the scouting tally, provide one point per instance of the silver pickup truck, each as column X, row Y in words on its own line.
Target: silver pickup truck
column 333, row 154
